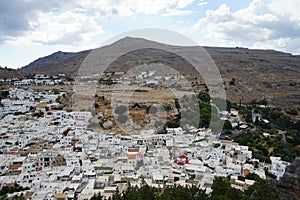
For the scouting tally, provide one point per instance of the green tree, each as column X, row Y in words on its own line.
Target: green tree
column 4, row 94
column 204, row 97
column 248, row 117
column 180, row 192
column 292, row 111
column 55, row 91
column 97, row 196
column 232, row 81
column 222, row 190
column 227, row 125
column 177, row 104
column 205, row 114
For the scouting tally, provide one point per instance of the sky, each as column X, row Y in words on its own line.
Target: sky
column 30, row 29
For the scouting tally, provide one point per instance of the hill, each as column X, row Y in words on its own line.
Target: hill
column 248, row 74
column 7, row 73
column 56, row 63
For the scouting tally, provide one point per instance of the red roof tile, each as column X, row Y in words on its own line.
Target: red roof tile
column 133, row 150
column 14, row 166
column 132, row 157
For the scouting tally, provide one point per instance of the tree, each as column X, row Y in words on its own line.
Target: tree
column 55, row 91
column 180, row 192
column 205, row 114
column 97, row 196
column 232, row 82
column 4, row 94
column 256, row 122
column 147, row 193
column 227, row 125
column 177, row 104
column 204, row 97
column 292, row 111
column 248, row 117
column 263, row 102
column 220, row 187
column 261, row 190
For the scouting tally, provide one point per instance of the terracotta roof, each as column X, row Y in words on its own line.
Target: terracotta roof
column 133, row 150
column 14, row 166
column 182, row 156
column 246, row 172
column 132, row 157
column 60, row 196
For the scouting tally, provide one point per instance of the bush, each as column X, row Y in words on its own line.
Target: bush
column 55, row 91
column 292, row 112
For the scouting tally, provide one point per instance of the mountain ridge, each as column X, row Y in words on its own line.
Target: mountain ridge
column 257, row 74
column 55, row 55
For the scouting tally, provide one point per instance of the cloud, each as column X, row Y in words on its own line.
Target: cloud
column 184, row 3
column 263, row 25
column 14, row 18
column 176, row 12
column 67, row 28
column 72, row 22
column 202, row 3
column 133, row 7
column 16, row 15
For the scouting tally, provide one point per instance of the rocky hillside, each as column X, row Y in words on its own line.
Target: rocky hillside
column 259, row 74
column 289, row 184
column 248, row 74
column 56, row 63
column 7, row 73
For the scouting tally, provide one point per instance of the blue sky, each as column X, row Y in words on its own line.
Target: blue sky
column 30, row 29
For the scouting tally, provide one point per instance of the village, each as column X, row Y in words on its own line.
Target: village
column 56, row 155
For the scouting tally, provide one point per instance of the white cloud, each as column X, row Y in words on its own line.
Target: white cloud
column 78, row 21
column 133, row 7
column 184, row 3
column 67, row 28
column 264, row 25
column 202, row 3
column 176, row 12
